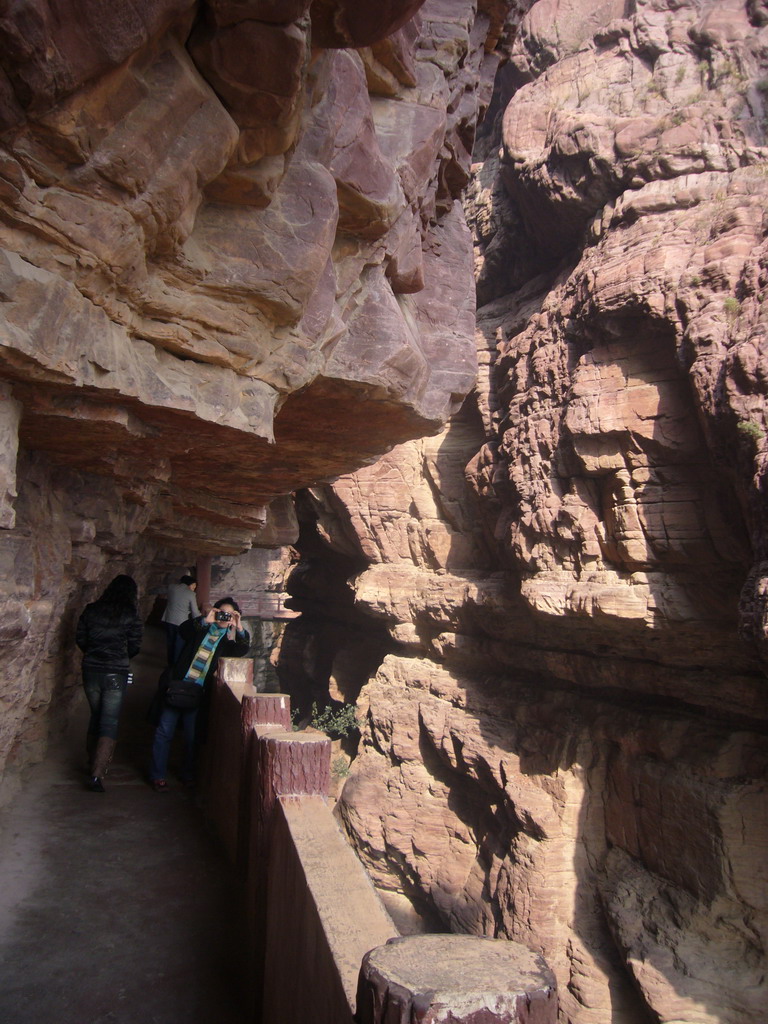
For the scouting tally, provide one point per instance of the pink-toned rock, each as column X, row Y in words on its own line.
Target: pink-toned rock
column 116, row 208
column 723, row 24
column 279, row 12
column 447, row 300
column 524, row 866
column 554, row 29
column 167, row 289
column 560, row 657
column 320, row 319
column 51, row 49
column 258, row 71
column 370, row 196
column 343, row 23
column 341, row 134
column 378, row 345
column 438, row 534
column 561, row 131
column 9, row 425
column 405, row 269
column 566, row 744
column 410, row 136
column 389, row 63
column 276, row 256
column 249, row 185
column 11, row 112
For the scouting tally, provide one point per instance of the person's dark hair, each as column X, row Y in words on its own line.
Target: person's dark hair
column 188, row 580
column 228, row 600
column 120, row 596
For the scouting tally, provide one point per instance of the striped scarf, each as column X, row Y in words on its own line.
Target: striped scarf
column 202, row 660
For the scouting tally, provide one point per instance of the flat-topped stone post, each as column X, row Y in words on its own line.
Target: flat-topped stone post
column 256, row 710
column 282, row 763
column 464, row 979
column 222, row 771
column 266, row 709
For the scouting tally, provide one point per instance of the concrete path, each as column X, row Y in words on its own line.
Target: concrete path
column 115, row 908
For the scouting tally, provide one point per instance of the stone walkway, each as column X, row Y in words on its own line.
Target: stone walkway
column 115, row 908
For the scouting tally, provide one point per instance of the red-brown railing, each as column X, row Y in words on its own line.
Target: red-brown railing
column 319, row 945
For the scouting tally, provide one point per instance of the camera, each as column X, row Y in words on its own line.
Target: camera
column 223, row 616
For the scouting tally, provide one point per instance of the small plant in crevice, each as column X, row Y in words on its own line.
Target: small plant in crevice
column 729, row 70
column 732, row 307
column 336, row 722
column 340, row 767
column 751, row 430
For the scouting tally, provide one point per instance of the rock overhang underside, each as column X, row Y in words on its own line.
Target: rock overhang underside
column 232, row 257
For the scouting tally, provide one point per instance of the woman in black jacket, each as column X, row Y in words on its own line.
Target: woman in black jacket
column 109, row 634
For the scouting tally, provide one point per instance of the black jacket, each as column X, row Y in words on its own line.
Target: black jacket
column 108, row 644
column 192, row 632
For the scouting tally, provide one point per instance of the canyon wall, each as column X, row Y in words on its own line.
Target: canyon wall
column 565, row 739
column 233, row 262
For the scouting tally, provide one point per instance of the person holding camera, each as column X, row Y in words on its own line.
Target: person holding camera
column 182, row 693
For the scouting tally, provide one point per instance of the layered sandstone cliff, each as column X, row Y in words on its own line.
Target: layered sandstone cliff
column 233, row 261
column 565, row 742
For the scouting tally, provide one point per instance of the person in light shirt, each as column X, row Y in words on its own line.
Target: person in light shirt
column 181, row 605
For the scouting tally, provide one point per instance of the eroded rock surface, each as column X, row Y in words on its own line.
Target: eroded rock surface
column 233, row 262
column 213, row 212
column 566, row 741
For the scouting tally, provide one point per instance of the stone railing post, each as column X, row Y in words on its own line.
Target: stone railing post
column 466, row 979
column 267, row 709
column 221, row 768
column 256, row 710
column 280, row 763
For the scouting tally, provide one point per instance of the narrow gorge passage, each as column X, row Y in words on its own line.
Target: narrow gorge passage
column 442, row 324
column 114, row 907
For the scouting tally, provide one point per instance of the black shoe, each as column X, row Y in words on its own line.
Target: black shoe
column 94, row 784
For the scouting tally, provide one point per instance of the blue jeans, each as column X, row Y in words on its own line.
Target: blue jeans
column 105, row 692
column 161, row 745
